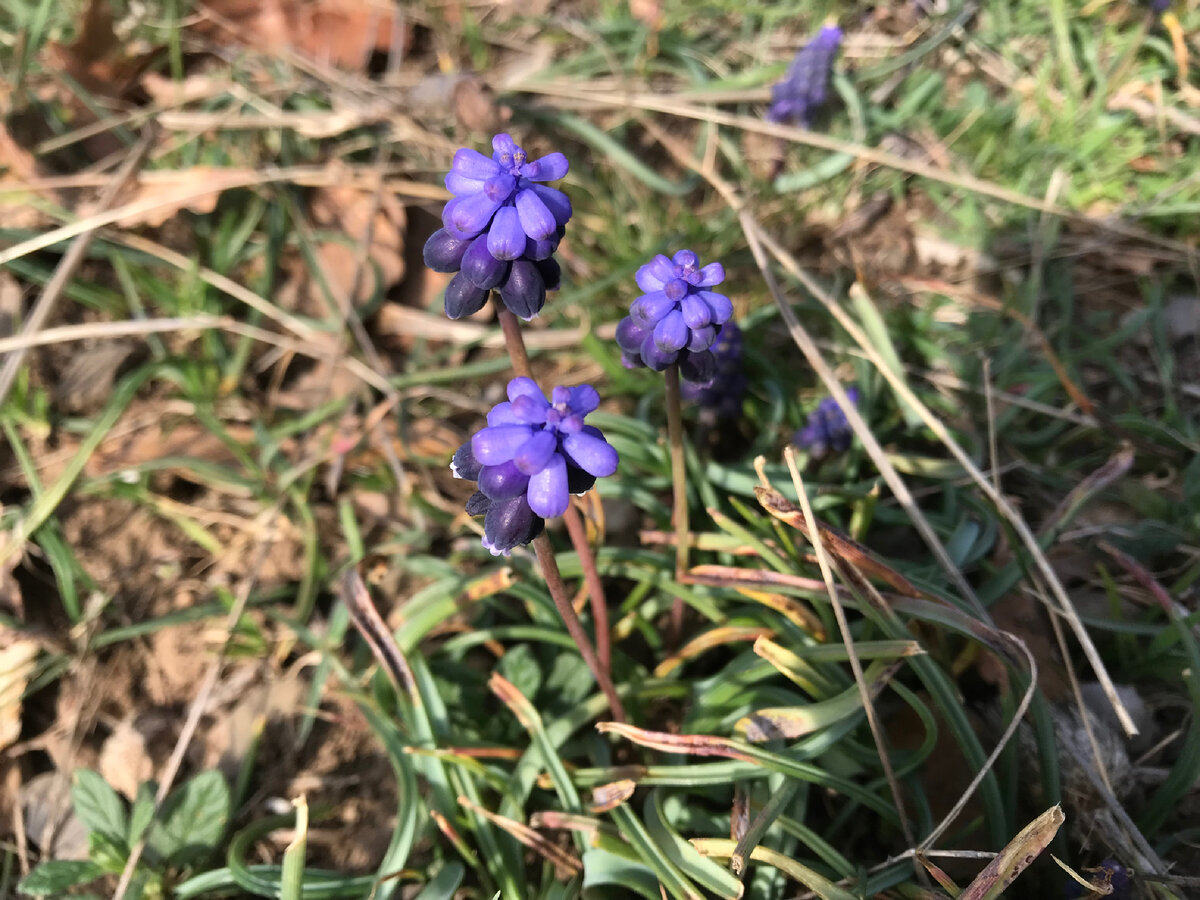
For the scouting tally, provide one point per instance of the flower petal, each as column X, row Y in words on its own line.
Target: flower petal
column 696, row 312
column 498, row 444
column 649, row 309
column 533, row 455
column 550, row 167
column 536, row 218
column 656, row 273
column 548, row 494
column 523, row 386
column 712, row 274
column 671, row 333
column 503, row 145
column 721, row 306
column 465, row 217
column 530, row 410
column 506, row 238
column 461, row 185
column 594, row 455
column 502, row 414
column 556, row 201
column 473, row 164
column 584, row 399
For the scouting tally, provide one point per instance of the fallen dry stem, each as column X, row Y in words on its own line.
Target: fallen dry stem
column 839, row 612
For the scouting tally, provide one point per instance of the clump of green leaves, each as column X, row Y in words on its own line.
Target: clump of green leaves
column 184, row 833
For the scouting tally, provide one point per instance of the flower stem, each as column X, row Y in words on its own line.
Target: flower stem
column 599, row 659
column 562, row 602
column 679, row 486
column 595, row 587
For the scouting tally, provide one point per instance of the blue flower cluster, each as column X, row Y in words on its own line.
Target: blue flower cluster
column 501, row 229
column 796, row 99
column 530, row 458
column 722, row 396
column 827, row 430
column 677, row 319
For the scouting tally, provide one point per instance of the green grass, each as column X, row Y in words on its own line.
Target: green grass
column 1019, row 96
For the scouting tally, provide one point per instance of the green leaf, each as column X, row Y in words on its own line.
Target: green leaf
column 519, row 667
column 108, row 854
column 193, row 819
column 98, row 805
column 142, row 813
column 52, row 878
column 443, row 885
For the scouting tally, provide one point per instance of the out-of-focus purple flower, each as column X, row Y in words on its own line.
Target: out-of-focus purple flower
column 501, row 229
column 1109, row 872
column 722, row 396
column 796, row 99
column 530, row 458
column 678, row 319
column 827, row 430
column 1158, row 7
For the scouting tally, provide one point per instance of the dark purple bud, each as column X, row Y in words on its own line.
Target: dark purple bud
column 550, row 271
column 463, row 298
column 509, row 524
column 444, row 253
column 503, row 481
column 656, row 358
column 478, row 504
column 579, row 481
column 698, row 367
column 464, row 464
column 481, row 268
column 630, row 335
column 524, row 291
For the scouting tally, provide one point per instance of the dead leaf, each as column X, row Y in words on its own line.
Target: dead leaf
column 648, row 12
column 342, row 33
column 17, row 658
column 124, row 762
column 361, row 217
column 197, row 190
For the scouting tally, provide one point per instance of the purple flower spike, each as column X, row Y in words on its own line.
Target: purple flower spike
column 827, row 430
column 678, row 318
column 500, row 229
column 796, row 99
column 533, row 454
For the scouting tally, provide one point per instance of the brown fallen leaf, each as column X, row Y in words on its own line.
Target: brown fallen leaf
column 362, row 218
column 1015, row 858
column 342, row 33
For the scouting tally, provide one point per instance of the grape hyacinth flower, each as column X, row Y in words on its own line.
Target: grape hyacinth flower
column 501, row 229
column 796, row 99
column 530, row 458
column 827, row 430
column 721, row 398
column 677, row 319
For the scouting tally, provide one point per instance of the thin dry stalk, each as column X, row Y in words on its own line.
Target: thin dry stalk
column 70, row 261
column 839, row 612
